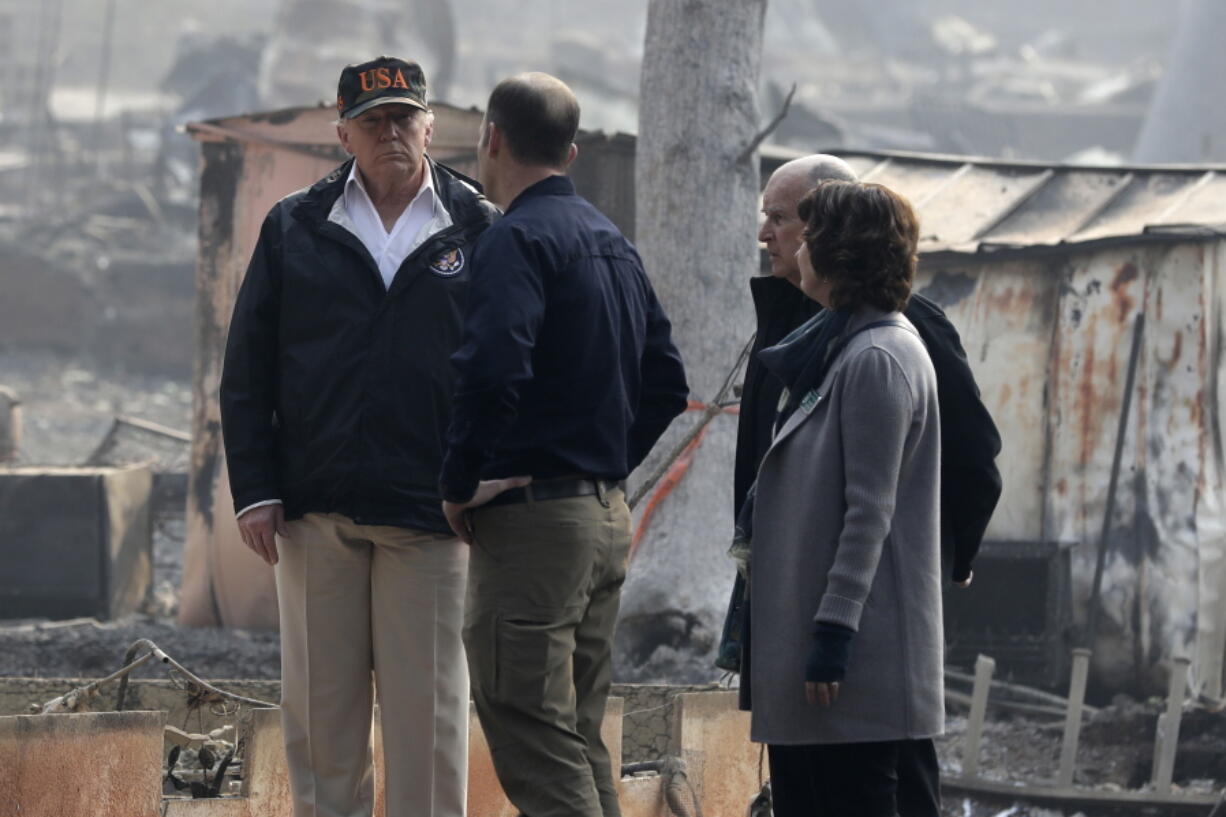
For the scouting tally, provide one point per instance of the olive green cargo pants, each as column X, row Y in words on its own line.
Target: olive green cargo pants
column 544, row 583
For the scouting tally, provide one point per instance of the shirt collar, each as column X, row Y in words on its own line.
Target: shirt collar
column 556, row 185
column 354, row 185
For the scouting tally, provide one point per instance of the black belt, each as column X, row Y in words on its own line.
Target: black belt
column 552, row 489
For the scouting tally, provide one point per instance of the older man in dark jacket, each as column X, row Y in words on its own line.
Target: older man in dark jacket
column 334, row 400
column 970, row 481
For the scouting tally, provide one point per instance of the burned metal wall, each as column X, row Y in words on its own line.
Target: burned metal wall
column 224, row 583
column 1049, row 337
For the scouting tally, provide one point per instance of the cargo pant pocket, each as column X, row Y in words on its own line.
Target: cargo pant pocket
column 529, row 652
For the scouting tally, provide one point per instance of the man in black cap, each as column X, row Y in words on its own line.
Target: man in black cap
column 567, row 375
column 335, row 397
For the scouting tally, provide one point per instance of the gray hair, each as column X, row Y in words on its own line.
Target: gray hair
column 817, row 167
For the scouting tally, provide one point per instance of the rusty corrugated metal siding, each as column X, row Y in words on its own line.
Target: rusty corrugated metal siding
column 1048, row 338
column 1044, row 270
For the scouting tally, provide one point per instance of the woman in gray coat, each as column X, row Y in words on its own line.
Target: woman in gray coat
column 846, row 635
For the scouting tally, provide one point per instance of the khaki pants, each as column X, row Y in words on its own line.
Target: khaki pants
column 544, row 584
column 360, row 598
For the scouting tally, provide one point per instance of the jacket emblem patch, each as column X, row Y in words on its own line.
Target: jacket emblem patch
column 449, row 263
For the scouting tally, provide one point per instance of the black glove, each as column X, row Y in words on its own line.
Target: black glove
column 827, row 661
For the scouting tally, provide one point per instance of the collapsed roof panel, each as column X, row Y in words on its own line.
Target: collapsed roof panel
column 917, row 180
column 976, row 199
column 968, row 205
column 1053, row 212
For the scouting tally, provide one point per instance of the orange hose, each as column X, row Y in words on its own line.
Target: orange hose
column 676, row 472
column 672, row 478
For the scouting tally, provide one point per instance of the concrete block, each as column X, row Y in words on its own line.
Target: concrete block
column 76, row 541
column 109, row 764
column 106, row 764
column 266, row 793
column 265, row 777
column 643, row 797
column 647, row 728
column 712, row 737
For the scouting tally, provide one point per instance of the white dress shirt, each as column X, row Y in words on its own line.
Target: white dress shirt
column 424, row 216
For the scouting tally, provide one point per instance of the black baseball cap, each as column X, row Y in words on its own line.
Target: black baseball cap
column 379, row 82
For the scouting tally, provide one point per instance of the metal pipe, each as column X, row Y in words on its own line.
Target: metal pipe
column 1072, row 724
column 984, row 668
column 1164, row 770
column 1138, row 331
column 1159, row 738
column 1020, row 690
column 954, row 698
column 74, row 699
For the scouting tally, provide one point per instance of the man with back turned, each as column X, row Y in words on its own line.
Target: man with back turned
column 567, row 377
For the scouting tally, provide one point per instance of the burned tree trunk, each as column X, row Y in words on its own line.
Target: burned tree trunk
column 696, row 187
column 697, row 184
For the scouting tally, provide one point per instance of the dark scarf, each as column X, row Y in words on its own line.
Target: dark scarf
column 801, row 360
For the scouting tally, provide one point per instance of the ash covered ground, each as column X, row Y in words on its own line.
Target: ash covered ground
column 84, row 648
column 68, row 406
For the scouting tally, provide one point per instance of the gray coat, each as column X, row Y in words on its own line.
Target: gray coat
column 846, row 530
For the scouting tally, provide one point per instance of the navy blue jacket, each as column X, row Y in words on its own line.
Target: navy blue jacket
column 566, row 366
column 335, row 390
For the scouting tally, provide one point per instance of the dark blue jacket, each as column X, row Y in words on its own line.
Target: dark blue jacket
column 566, row 366
column 335, row 390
